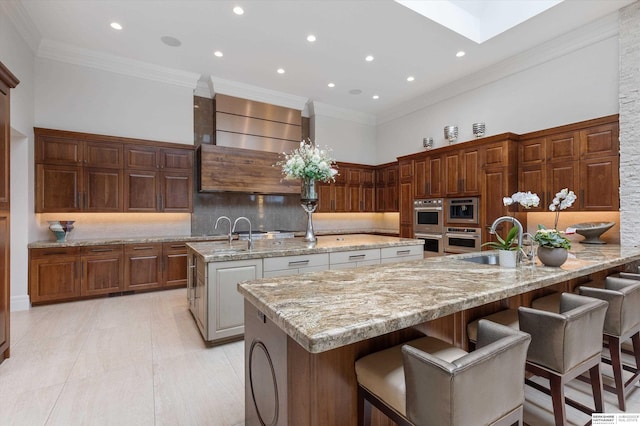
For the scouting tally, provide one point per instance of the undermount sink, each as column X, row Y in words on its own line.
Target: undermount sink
column 484, row 259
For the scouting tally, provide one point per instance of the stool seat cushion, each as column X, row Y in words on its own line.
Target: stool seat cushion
column 508, row 317
column 382, row 373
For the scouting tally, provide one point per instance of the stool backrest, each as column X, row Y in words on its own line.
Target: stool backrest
column 623, row 296
column 561, row 341
column 476, row 389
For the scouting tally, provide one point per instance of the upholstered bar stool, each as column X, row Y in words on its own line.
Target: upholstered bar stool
column 429, row 382
column 621, row 323
column 564, row 344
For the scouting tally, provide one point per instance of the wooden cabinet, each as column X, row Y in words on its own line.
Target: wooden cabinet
column 158, row 179
column 101, row 270
column 583, row 157
column 80, row 172
column 386, row 188
column 353, row 190
column 143, row 266
column 54, row 274
column 7, row 82
column 462, row 173
column 174, row 264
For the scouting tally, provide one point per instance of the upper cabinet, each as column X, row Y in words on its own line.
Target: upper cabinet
column 353, row 190
column 583, row 157
column 79, row 172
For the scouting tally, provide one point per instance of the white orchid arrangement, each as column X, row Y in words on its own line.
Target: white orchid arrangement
column 563, row 200
column 525, row 199
column 309, row 162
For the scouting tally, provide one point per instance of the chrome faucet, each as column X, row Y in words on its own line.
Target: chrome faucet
column 250, row 236
column 513, row 220
column 216, row 227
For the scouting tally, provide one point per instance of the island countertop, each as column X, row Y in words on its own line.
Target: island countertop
column 330, row 309
column 264, row 248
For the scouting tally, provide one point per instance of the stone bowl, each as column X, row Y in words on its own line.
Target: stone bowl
column 591, row 231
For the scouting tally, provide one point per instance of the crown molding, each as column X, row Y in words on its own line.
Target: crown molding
column 63, row 52
column 22, row 22
column 203, row 89
column 258, row 94
column 319, row 108
column 572, row 41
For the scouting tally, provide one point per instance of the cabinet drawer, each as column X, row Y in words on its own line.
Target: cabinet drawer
column 101, row 250
column 354, row 256
column 400, row 252
column 295, row 262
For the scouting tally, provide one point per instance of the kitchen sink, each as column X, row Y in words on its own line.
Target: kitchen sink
column 485, row 259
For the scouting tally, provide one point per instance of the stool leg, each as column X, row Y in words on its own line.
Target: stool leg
column 616, row 365
column 596, row 387
column 635, row 339
column 556, row 385
column 364, row 409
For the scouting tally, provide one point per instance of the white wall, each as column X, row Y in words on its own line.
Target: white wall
column 577, row 86
column 79, row 98
column 16, row 55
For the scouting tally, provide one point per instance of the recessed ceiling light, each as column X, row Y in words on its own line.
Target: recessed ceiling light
column 238, row 10
column 116, row 26
column 461, row 53
column 369, row 58
column 280, row 71
column 170, row 41
column 311, row 38
column 410, row 78
column 218, row 53
column 331, row 85
column 376, row 97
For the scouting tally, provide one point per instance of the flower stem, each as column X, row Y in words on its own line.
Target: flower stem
column 555, row 225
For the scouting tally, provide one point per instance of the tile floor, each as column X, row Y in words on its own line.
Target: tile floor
column 140, row 360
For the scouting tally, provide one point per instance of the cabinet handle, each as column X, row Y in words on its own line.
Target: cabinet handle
column 582, row 198
column 178, row 246
column 79, row 200
column 100, row 250
column 299, row 262
column 76, row 271
column 403, row 252
column 142, row 248
column 357, row 256
column 84, row 200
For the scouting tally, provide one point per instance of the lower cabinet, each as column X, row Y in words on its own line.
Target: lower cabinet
column 353, row 259
column 401, row 254
column 225, row 316
column 293, row 265
column 66, row 273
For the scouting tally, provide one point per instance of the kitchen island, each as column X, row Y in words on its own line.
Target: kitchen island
column 303, row 335
column 217, row 267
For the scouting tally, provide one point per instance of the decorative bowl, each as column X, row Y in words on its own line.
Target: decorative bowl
column 61, row 229
column 591, row 231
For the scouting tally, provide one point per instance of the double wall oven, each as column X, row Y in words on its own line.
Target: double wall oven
column 448, row 225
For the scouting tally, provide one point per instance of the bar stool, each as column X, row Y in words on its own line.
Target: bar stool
column 564, row 345
column 429, row 382
column 621, row 323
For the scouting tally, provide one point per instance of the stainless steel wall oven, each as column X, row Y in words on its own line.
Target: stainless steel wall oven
column 428, row 216
column 462, row 240
column 433, row 244
column 464, row 211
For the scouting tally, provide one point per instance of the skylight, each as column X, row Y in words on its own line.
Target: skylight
column 479, row 20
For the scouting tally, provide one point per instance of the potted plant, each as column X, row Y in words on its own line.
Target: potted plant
column 553, row 246
column 507, row 248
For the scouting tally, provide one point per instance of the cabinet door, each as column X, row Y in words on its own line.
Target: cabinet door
column 367, row 199
column 102, row 270
column 177, row 192
column 451, row 173
column 341, row 198
column 58, row 150
column 143, row 266
column 176, row 159
column 421, row 175
column 103, row 155
column 141, row 188
column 54, row 277
column 405, row 168
column 103, row 190
column 175, row 264
column 354, row 198
column 600, row 141
column 5, row 303
column 532, row 152
column 562, row 175
column 141, row 157
column 563, row 147
column 470, row 176
column 406, row 204
column 325, row 200
column 58, row 188
column 435, row 177
column 381, row 198
column 599, row 184
column 226, row 305
column 391, row 198
column 534, row 178
column 495, row 187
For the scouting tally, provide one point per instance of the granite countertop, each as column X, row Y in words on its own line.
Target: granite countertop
column 188, row 238
column 329, row 309
column 222, row 251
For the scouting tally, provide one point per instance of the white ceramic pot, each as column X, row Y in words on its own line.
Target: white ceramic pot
column 507, row 258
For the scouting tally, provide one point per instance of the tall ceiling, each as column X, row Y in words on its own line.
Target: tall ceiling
column 272, row 34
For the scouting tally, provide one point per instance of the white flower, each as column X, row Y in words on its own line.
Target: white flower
column 563, row 200
column 525, row 199
column 308, row 162
column 507, row 201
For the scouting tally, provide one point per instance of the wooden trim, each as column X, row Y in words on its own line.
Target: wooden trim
column 38, row 131
column 581, row 125
column 457, row 146
column 7, row 77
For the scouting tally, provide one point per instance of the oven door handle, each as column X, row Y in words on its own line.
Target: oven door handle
column 429, row 236
column 475, row 237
